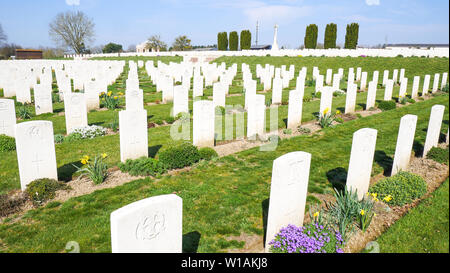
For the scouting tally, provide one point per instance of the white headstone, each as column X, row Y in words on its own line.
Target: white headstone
column 361, row 160
column 75, row 111
column 403, row 86
column 444, row 80
column 256, row 116
column 405, row 140
column 180, row 100
column 434, row 128
column 7, row 117
column 276, row 91
column 350, row 99
column 288, row 190
column 152, row 225
column 435, row 82
column 326, row 100
column 203, row 123
column 415, row 88
column 43, row 99
column 218, row 94
column 35, row 151
column 133, row 134
column 134, row 99
column 388, row 90
column 426, row 84
column 371, row 95
column 295, row 109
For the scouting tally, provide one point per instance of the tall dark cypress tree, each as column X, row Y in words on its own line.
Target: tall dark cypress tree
column 222, row 41
column 246, row 39
column 330, row 36
column 311, row 36
column 234, row 41
column 351, row 37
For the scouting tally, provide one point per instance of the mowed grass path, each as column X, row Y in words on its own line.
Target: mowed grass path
column 228, row 196
column 425, row 229
column 68, row 154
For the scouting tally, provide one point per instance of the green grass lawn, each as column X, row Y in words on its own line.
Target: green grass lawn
column 425, row 229
column 224, row 197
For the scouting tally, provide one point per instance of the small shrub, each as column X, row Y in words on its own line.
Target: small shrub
column 59, row 138
column 143, row 166
column 303, row 130
column 55, row 98
column 307, row 98
column 42, row 190
column 179, row 156
column 400, row 189
column 312, row 238
column 445, row 88
column 310, row 82
column 287, row 131
column 402, row 100
column 159, row 121
column 170, row 120
column 386, row 105
column 338, row 93
column 7, row 143
column 410, row 100
column 207, row 153
column 439, row 155
column 317, row 95
column 24, row 112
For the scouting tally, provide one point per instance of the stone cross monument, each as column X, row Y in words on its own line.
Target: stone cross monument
column 275, row 44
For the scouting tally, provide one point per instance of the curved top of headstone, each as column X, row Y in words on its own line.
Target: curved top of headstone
column 145, row 203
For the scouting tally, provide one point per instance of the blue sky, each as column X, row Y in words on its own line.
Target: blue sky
column 132, row 21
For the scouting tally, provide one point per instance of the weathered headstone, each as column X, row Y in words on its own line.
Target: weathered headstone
column 434, row 128
column 75, row 111
column 134, row 99
column 295, row 109
column 7, row 117
column 43, row 99
column 133, row 134
column 152, row 225
column 35, row 151
column 361, row 160
column 203, row 123
column 388, row 90
column 405, row 140
column 288, row 190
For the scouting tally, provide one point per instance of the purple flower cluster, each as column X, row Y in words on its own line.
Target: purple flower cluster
column 313, row 238
column 362, row 56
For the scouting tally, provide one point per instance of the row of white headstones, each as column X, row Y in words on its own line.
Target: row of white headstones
column 155, row 224
column 133, row 120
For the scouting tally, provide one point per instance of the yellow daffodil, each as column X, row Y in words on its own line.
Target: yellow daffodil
column 84, row 161
column 316, row 214
column 120, row 94
column 387, row 198
column 115, row 97
column 104, row 155
column 362, row 212
column 338, row 112
column 326, row 111
column 109, row 93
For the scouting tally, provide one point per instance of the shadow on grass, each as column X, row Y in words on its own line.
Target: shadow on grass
column 363, row 105
column 285, row 122
column 342, row 109
column 66, row 171
column 191, row 241
column 153, row 150
column 417, row 148
column 337, row 178
column 384, row 161
column 265, row 213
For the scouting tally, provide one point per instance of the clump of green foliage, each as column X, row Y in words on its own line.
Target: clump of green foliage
column 207, row 153
column 439, row 155
column 143, row 166
column 7, row 143
column 43, row 189
column 387, row 105
column 400, row 189
column 179, row 156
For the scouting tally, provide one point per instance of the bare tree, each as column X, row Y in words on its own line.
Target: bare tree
column 3, row 36
column 72, row 30
column 181, row 43
column 155, row 42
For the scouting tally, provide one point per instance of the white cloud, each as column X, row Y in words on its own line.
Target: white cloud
column 373, row 2
column 73, row 2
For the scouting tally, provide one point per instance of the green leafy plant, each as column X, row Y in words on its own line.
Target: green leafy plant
column 343, row 212
column 439, row 155
column 326, row 118
column 24, row 112
column 207, row 153
column 111, row 101
column 387, row 105
column 43, row 189
column 179, row 156
column 7, row 143
column 307, row 98
column 303, row 130
column 400, row 189
column 287, row 131
column 445, row 88
column 365, row 215
column 114, row 124
column 59, row 138
column 96, row 170
column 143, row 166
